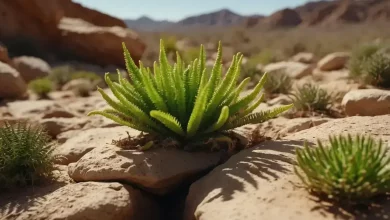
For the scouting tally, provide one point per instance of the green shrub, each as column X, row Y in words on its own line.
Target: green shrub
column 350, row 168
column 93, row 77
column 41, row 86
column 278, row 83
column 184, row 103
column 61, row 75
column 358, row 58
column 25, row 155
column 310, row 97
column 377, row 70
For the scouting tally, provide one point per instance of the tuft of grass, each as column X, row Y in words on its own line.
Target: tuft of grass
column 42, row 87
column 278, row 83
column 311, row 98
column 349, row 168
column 25, row 155
column 185, row 103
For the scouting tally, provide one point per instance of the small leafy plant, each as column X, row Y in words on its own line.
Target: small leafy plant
column 310, row 97
column 41, row 87
column 184, row 103
column 25, row 155
column 349, row 169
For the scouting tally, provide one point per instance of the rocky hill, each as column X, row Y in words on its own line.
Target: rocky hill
column 310, row 14
column 221, row 18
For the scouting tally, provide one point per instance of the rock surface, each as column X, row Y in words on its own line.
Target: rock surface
column 80, row 201
column 367, row 102
column 259, row 183
column 293, row 69
column 31, row 68
column 80, row 143
column 12, row 85
column 97, row 44
column 158, row 170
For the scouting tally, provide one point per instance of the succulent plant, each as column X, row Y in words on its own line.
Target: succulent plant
column 41, row 86
column 349, row 169
column 25, row 154
column 184, row 103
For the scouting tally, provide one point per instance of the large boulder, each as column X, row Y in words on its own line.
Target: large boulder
column 4, row 54
column 293, row 69
column 157, row 170
column 98, row 44
column 334, row 61
column 31, row 68
column 259, row 183
column 12, row 85
column 367, row 102
column 67, row 28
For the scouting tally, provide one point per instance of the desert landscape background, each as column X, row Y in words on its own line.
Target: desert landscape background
column 331, row 59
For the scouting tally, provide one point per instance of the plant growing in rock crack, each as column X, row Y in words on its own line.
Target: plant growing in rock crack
column 349, row 169
column 25, row 154
column 41, row 87
column 186, row 104
column 311, row 98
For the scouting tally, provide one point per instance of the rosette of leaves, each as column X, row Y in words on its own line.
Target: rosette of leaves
column 25, row 154
column 186, row 103
column 349, row 169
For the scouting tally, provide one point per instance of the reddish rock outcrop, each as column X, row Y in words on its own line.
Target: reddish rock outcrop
column 284, row 18
column 41, row 23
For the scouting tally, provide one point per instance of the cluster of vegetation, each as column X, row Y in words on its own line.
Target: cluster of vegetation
column 185, row 103
column 370, row 64
column 25, row 155
column 310, row 98
column 42, row 86
column 351, row 169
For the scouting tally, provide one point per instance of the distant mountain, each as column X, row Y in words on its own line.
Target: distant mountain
column 221, row 18
column 147, row 24
column 313, row 13
column 320, row 13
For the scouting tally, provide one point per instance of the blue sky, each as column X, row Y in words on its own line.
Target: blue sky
column 177, row 9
